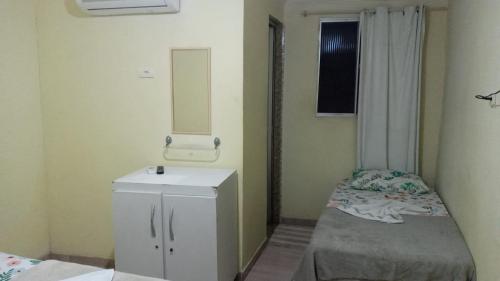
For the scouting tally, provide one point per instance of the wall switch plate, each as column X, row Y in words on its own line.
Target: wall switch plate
column 146, row 72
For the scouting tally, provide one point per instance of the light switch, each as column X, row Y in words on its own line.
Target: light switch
column 146, row 72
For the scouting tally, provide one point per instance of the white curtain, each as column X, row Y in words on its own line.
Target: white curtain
column 389, row 88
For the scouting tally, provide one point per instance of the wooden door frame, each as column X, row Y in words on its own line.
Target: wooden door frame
column 275, row 128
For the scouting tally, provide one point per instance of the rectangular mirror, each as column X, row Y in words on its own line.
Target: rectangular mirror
column 191, row 105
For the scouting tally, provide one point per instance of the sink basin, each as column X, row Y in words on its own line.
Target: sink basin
column 178, row 176
column 156, row 179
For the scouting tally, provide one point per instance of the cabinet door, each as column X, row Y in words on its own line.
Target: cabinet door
column 190, row 238
column 137, row 222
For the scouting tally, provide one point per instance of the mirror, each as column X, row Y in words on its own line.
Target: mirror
column 191, row 106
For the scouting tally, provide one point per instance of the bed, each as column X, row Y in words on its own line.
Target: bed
column 386, row 244
column 15, row 268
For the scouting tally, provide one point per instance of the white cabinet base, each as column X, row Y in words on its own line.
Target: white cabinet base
column 190, row 237
column 182, row 231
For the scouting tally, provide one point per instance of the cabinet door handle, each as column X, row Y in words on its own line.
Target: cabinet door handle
column 152, row 221
column 170, row 224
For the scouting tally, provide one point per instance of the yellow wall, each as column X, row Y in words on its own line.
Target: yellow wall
column 469, row 161
column 433, row 79
column 255, row 96
column 23, row 215
column 102, row 122
column 320, row 152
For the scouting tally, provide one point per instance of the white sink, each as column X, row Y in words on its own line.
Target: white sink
column 156, row 179
column 178, row 176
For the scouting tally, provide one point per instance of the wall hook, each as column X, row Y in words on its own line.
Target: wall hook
column 168, row 141
column 217, row 142
column 491, row 98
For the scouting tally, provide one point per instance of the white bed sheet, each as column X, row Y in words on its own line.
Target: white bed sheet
column 386, row 207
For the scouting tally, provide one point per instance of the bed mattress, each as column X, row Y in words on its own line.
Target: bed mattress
column 423, row 248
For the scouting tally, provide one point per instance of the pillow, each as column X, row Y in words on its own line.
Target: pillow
column 387, row 181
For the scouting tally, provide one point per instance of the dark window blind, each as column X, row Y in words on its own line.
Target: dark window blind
column 338, row 67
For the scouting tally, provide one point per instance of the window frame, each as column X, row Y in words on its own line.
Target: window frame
column 338, row 18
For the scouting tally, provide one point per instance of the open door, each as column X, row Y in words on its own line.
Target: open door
column 275, row 98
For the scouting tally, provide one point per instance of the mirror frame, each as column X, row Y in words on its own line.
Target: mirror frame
column 209, row 74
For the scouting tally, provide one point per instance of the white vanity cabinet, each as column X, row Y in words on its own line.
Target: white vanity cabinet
column 180, row 226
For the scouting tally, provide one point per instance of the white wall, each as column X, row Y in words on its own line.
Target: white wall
column 433, row 80
column 469, row 162
column 102, row 122
column 23, row 209
column 320, row 152
column 256, row 42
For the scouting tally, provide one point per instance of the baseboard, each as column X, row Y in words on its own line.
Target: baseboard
column 301, row 222
column 97, row 262
column 243, row 275
column 109, row 263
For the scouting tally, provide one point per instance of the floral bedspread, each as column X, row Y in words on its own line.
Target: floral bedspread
column 385, row 207
column 11, row 265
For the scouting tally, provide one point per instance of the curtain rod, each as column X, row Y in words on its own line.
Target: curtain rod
column 326, row 13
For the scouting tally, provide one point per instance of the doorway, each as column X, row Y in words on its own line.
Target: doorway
column 275, row 101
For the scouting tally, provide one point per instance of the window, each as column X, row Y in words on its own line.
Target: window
column 338, row 66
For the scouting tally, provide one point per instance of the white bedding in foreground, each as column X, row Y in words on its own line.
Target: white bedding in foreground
column 52, row 270
column 12, row 265
column 101, row 275
column 386, row 207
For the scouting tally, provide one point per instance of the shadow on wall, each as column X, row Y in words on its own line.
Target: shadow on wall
column 74, row 10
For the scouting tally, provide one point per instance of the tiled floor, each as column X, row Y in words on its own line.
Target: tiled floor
column 278, row 261
column 282, row 255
